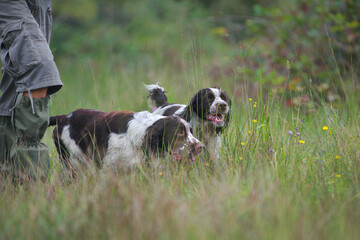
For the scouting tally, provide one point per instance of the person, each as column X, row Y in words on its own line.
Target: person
column 29, row 77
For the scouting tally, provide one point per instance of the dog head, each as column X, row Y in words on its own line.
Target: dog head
column 174, row 136
column 212, row 105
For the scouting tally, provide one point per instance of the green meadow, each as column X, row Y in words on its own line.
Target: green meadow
column 289, row 166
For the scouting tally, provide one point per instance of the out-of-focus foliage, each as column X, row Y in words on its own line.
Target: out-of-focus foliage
column 318, row 40
column 303, row 49
column 82, row 10
column 154, row 30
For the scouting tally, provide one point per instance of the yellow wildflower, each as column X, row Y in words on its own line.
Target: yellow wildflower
column 240, row 158
column 255, row 121
column 325, row 128
column 160, row 173
column 302, row 141
column 243, row 144
column 221, row 31
column 250, row 99
column 249, row 132
column 254, row 105
column 338, row 157
column 338, row 175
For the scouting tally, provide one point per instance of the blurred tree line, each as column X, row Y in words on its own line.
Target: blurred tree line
column 130, row 25
column 316, row 41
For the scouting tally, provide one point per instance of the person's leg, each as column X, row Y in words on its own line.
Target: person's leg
column 28, row 156
column 7, row 138
column 29, row 76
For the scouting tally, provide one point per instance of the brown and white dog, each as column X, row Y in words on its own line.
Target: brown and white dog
column 121, row 138
column 208, row 113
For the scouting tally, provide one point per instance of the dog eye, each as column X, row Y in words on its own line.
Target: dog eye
column 210, row 96
column 181, row 134
column 223, row 96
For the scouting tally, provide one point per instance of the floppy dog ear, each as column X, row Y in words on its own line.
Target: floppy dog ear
column 196, row 104
column 154, row 138
column 190, row 109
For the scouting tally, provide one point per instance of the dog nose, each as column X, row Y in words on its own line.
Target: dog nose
column 195, row 149
column 222, row 106
column 199, row 146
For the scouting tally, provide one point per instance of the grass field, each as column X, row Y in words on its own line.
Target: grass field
column 269, row 184
column 284, row 172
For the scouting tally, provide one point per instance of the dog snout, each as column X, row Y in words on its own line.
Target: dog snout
column 197, row 148
column 222, row 107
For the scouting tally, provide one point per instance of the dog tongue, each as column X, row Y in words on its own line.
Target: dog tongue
column 215, row 119
column 176, row 157
column 218, row 119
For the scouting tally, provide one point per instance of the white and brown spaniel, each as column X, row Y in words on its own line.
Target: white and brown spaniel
column 208, row 113
column 121, row 138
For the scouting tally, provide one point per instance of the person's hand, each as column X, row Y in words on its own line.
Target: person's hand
column 37, row 93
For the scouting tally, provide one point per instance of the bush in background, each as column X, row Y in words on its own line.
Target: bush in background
column 316, row 40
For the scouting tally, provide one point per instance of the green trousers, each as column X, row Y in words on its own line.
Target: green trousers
column 22, row 155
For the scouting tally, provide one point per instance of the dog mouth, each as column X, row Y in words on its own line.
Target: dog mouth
column 217, row 119
column 185, row 154
column 178, row 156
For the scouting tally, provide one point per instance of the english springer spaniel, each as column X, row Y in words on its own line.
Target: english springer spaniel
column 121, row 139
column 208, row 113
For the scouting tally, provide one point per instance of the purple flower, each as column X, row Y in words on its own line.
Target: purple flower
column 290, row 133
column 298, row 134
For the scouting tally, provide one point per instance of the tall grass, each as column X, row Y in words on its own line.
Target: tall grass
column 280, row 175
column 268, row 185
